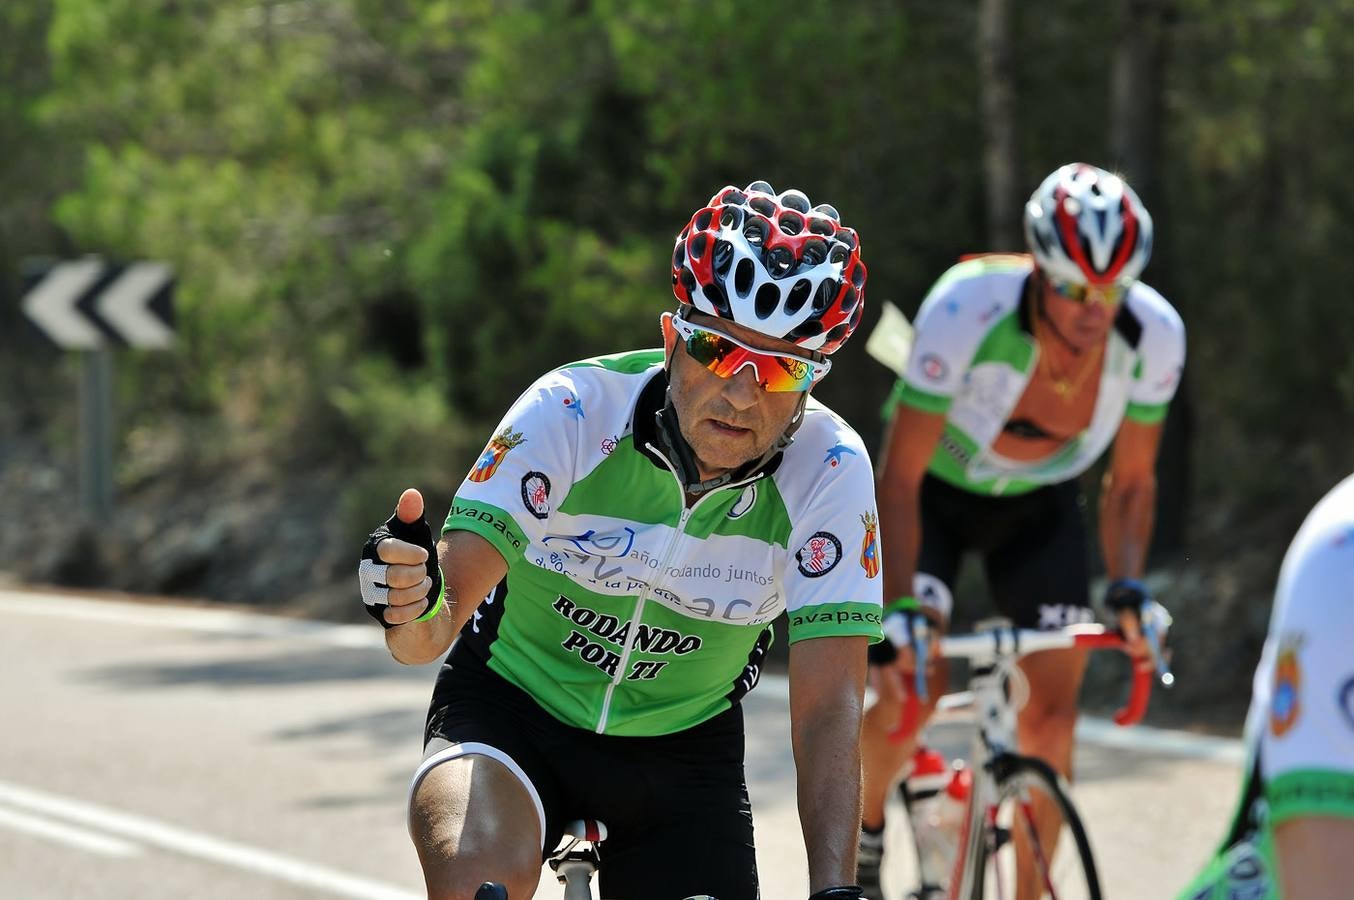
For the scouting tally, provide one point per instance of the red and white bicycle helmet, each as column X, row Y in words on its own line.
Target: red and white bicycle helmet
column 774, row 263
column 1085, row 225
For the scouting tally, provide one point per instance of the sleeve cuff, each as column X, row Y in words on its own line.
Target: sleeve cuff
column 836, row 620
column 490, row 523
column 1146, row 413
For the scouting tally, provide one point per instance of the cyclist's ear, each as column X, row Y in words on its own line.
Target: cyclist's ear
column 669, row 336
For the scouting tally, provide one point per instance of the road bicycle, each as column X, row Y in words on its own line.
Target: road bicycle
column 1000, row 853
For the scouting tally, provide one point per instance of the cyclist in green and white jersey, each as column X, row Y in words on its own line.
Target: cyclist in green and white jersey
column 612, row 564
column 1023, row 371
column 1293, row 830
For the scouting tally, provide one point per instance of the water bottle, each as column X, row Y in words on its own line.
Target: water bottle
column 936, row 793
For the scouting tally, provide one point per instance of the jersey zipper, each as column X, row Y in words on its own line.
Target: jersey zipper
column 658, row 581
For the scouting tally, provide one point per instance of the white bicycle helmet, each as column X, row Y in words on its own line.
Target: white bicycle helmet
column 1086, row 226
column 774, row 263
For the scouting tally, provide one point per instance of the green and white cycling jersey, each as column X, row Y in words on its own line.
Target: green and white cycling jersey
column 974, row 352
column 1300, row 730
column 624, row 610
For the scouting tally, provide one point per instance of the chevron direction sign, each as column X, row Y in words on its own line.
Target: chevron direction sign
column 89, row 303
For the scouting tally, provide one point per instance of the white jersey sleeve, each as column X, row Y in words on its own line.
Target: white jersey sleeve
column 832, row 582
column 514, row 485
column 1302, row 712
column 1161, row 354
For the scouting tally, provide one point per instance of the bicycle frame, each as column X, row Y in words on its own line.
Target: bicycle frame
column 993, row 651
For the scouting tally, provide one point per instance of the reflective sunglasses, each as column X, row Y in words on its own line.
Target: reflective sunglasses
column 726, row 357
column 1108, row 294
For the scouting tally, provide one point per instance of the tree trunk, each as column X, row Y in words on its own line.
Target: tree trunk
column 1135, row 116
column 999, row 135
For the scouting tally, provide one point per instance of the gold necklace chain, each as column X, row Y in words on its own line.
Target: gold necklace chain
column 1066, row 386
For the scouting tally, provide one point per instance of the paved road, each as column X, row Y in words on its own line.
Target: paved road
column 164, row 751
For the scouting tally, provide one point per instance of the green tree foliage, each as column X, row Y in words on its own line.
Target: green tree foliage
column 437, row 200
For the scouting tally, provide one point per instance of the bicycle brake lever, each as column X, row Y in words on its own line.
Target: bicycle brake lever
column 920, row 646
column 1151, row 632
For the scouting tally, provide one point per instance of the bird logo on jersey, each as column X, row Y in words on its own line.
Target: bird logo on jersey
column 493, row 454
column 869, row 548
column 835, row 452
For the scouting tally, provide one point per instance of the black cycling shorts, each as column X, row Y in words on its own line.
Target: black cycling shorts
column 1033, row 547
column 676, row 807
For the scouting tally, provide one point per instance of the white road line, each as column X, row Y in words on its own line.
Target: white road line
column 66, row 834
column 190, row 618
column 202, row 846
column 1094, row 731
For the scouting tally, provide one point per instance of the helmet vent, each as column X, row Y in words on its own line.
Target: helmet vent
column 849, row 299
column 790, row 223
column 768, row 298
column 731, row 217
column 717, row 300
column 679, row 255
column 822, row 299
column 703, row 219
column 723, row 257
column 763, row 205
column 698, row 245
column 779, row 261
column 795, row 200
column 799, row 295
column 814, row 252
column 755, row 232
column 743, row 276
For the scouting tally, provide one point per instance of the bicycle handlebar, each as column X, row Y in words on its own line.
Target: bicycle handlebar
column 1003, row 642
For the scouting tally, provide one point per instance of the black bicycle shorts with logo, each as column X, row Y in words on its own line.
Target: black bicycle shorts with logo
column 676, row 806
column 1033, row 547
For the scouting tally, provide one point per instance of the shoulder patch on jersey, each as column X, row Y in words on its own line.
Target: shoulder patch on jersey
column 819, row 555
column 498, row 447
column 933, row 368
column 1286, row 705
column 536, row 494
column 869, row 547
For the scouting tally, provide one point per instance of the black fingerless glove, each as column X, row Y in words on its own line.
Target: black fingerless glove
column 372, row 570
column 1125, row 594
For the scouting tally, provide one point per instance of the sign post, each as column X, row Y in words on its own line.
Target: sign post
column 90, row 305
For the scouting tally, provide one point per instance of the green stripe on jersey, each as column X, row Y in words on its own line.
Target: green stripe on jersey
column 490, row 523
column 836, row 620
column 1310, row 792
column 626, row 485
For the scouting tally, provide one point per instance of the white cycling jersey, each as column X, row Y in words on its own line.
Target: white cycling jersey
column 1300, row 730
column 974, row 353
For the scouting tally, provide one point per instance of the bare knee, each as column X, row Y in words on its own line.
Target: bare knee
column 472, row 821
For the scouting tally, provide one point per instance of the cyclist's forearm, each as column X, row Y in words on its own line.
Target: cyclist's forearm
column 470, row 568
column 827, row 767
column 827, row 696
column 900, row 536
column 1127, row 514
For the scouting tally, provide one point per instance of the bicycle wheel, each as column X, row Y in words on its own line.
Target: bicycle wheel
column 1023, row 861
